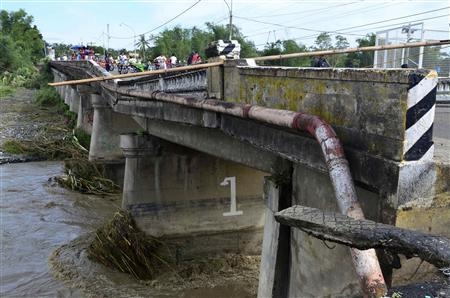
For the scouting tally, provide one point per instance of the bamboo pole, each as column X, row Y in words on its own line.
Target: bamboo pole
column 352, row 50
column 264, row 58
column 137, row 74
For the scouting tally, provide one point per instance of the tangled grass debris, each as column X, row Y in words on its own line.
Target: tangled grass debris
column 119, row 244
column 86, row 177
column 45, row 148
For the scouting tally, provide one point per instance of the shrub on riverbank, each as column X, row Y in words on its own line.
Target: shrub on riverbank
column 6, row 91
column 48, row 97
column 83, row 137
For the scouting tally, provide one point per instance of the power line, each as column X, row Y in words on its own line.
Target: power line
column 380, row 27
column 343, row 32
column 304, row 11
column 181, row 13
column 335, row 16
column 290, row 27
column 402, row 23
column 297, row 15
column 404, row 17
column 336, row 32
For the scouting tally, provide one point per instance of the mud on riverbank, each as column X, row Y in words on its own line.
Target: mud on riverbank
column 235, row 276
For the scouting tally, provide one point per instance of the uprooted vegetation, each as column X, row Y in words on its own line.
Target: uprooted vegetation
column 45, row 149
column 119, row 244
column 86, row 177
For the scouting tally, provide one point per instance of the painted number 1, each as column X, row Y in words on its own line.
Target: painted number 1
column 232, row 182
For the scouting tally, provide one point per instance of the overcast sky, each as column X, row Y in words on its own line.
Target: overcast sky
column 86, row 22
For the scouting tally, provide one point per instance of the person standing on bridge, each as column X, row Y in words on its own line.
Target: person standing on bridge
column 173, row 60
column 107, row 65
column 320, row 62
column 161, row 62
column 196, row 58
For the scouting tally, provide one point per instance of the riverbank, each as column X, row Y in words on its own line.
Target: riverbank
column 23, row 120
column 224, row 277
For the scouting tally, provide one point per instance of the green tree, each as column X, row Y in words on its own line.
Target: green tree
column 272, row 48
column 285, row 47
column 143, row 45
column 322, row 42
column 338, row 60
column 248, row 48
column 22, row 46
column 362, row 59
column 290, row 46
column 27, row 38
column 341, row 42
column 174, row 41
column 182, row 41
column 10, row 58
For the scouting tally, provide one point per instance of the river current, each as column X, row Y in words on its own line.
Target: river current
column 42, row 224
column 36, row 217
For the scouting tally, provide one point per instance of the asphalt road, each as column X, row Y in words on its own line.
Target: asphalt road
column 442, row 121
column 441, row 133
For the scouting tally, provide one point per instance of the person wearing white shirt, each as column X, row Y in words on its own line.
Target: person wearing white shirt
column 173, row 60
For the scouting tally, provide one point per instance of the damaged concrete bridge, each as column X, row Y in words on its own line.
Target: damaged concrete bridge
column 207, row 156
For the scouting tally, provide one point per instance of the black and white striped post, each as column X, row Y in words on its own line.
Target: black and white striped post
column 421, row 102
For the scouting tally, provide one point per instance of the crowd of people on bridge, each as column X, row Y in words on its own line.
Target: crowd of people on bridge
column 108, row 62
column 162, row 62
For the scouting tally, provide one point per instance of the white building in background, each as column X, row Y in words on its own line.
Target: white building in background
column 50, row 53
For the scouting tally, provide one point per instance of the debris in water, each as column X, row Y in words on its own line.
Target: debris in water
column 86, row 177
column 121, row 245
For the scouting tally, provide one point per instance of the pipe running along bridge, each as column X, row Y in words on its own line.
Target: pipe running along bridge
column 206, row 155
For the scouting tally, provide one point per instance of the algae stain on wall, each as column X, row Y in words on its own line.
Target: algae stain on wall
column 278, row 93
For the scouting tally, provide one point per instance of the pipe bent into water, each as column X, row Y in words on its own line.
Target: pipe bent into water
column 365, row 261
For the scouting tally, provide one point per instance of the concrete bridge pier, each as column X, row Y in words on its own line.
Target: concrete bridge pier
column 106, row 129
column 185, row 197
column 274, row 269
column 59, row 77
column 74, row 101
column 138, row 151
column 85, row 109
column 68, row 93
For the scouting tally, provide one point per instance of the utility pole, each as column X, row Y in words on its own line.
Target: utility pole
column 108, row 37
column 230, row 10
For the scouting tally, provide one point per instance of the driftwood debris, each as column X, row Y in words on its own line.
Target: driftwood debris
column 365, row 234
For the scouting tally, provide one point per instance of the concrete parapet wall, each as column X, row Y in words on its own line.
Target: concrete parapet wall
column 370, row 109
column 193, row 83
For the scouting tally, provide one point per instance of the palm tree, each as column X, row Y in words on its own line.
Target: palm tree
column 142, row 44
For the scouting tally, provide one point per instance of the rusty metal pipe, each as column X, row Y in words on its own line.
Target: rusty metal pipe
column 365, row 261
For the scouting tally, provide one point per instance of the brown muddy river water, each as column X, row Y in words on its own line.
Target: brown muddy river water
column 37, row 217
